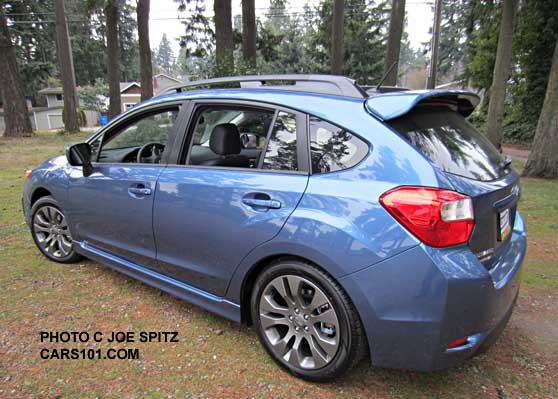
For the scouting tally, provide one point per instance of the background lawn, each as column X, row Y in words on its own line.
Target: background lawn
column 216, row 358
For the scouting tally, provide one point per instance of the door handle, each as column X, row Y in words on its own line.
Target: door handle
column 262, row 203
column 139, row 191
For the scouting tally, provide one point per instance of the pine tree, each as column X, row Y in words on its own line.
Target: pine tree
column 146, row 70
column 35, row 53
column 337, row 30
column 249, row 32
column 224, row 45
column 543, row 159
column 397, row 20
column 165, row 55
column 113, row 64
column 452, row 39
column 537, row 33
column 14, row 103
column 501, row 73
column 67, row 75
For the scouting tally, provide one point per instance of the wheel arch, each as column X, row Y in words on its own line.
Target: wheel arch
column 37, row 194
column 262, row 264
column 250, row 278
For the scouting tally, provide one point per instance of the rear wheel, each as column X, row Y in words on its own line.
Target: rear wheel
column 51, row 233
column 305, row 321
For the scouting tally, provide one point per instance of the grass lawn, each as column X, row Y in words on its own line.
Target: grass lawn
column 216, row 358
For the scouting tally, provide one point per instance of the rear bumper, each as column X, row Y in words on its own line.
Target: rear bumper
column 416, row 303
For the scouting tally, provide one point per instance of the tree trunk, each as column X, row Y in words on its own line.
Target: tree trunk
column 543, row 159
column 16, row 116
column 249, row 32
column 113, row 59
column 144, row 50
column 434, row 47
column 67, row 75
column 501, row 73
column 223, row 37
column 397, row 19
column 337, row 37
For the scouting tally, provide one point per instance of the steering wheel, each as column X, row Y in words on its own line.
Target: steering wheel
column 153, row 153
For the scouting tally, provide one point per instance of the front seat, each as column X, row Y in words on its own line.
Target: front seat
column 225, row 142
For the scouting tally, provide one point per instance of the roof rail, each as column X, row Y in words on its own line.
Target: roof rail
column 322, row 84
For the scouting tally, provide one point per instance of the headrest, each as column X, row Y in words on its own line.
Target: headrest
column 225, row 139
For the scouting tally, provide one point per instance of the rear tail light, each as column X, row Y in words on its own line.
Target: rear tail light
column 439, row 218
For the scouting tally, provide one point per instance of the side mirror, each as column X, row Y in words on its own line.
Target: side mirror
column 249, row 140
column 80, row 155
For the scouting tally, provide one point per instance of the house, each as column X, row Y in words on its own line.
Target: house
column 50, row 117
column 162, row 81
column 54, row 96
column 130, row 92
column 130, row 95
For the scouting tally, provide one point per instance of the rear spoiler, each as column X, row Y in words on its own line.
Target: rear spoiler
column 389, row 106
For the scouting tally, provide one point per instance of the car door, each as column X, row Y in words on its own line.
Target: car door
column 112, row 208
column 208, row 218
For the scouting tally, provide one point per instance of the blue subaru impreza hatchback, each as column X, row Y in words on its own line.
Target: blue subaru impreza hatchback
column 338, row 222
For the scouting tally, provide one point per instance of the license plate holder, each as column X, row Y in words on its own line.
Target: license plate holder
column 504, row 224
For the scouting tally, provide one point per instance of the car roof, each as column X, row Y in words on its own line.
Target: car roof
column 311, row 92
column 343, row 111
column 384, row 106
column 311, row 103
column 348, row 111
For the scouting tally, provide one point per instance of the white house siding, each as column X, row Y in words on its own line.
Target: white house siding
column 53, row 102
column 51, row 118
column 129, row 100
column 47, row 118
column 163, row 82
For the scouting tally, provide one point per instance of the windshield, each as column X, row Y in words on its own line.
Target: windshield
column 450, row 142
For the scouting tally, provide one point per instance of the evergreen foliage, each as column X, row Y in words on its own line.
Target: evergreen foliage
column 295, row 39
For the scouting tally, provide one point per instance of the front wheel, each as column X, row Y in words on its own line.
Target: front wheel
column 51, row 233
column 306, row 322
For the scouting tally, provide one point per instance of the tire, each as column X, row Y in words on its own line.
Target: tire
column 50, row 231
column 312, row 331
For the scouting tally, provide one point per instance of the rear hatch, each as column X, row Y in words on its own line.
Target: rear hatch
column 470, row 164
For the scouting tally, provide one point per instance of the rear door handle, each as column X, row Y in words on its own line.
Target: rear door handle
column 139, row 191
column 262, row 203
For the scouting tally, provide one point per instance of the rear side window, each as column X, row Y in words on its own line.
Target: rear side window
column 333, row 148
column 281, row 148
column 451, row 143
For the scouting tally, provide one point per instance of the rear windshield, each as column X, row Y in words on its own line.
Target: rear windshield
column 451, row 143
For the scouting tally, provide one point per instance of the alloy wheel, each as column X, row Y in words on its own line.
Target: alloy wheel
column 299, row 322
column 51, row 231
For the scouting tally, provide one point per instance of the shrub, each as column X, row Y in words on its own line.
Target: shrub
column 80, row 117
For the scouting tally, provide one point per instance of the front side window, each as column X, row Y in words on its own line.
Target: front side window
column 333, row 148
column 281, row 147
column 142, row 141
